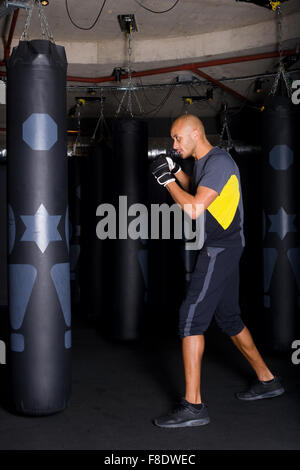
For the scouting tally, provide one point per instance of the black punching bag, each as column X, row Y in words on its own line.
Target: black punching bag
column 281, row 237
column 39, row 278
column 130, row 266
column 97, row 253
column 75, row 172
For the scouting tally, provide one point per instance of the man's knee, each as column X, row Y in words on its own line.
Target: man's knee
column 231, row 328
column 183, row 334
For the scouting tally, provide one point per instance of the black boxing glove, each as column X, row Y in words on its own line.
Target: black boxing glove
column 174, row 167
column 161, row 171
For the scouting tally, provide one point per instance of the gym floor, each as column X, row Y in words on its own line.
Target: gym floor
column 118, row 388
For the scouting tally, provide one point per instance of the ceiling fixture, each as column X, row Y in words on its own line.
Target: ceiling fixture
column 207, row 97
column 18, row 3
column 272, row 5
column 127, row 23
column 258, row 86
column 45, row 2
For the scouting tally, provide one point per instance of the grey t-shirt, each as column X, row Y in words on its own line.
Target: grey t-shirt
column 224, row 217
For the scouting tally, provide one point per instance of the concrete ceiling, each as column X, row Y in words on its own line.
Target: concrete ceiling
column 189, row 17
column 194, row 31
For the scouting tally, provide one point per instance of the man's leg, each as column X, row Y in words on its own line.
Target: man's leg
column 228, row 318
column 191, row 411
column 245, row 344
column 192, row 352
column 195, row 315
column 267, row 385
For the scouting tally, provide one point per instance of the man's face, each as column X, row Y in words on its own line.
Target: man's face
column 184, row 143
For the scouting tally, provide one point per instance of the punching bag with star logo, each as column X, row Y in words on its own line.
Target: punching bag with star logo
column 281, row 249
column 38, row 258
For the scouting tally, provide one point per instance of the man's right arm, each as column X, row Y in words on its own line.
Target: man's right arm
column 184, row 180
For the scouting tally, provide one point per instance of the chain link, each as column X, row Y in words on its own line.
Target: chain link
column 281, row 74
column 121, row 103
column 44, row 23
column 279, row 29
column 46, row 31
column 24, row 35
column 101, row 120
column 227, row 144
column 129, row 75
column 78, row 136
column 129, row 92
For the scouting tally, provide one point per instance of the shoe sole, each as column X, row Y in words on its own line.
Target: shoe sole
column 274, row 393
column 194, row 422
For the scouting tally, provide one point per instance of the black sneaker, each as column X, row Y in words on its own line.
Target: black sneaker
column 184, row 415
column 260, row 390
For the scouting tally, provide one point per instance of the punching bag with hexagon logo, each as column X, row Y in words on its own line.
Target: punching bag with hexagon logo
column 38, row 258
column 281, row 250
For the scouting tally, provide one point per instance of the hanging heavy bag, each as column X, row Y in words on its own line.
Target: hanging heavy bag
column 39, row 284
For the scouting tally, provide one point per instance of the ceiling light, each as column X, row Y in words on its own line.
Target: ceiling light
column 45, row 2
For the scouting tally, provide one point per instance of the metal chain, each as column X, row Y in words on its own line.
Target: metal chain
column 121, row 103
column 138, row 102
column 281, row 72
column 46, row 31
column 101, row 120
column 41, row 20
column 77, row 140
column 24, row 35
column 129, row 92
column 223, row 143
column 279, row 28
column 44, row 23
column 129, row 105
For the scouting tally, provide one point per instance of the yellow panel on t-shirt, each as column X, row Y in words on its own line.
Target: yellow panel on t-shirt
column 223, row 208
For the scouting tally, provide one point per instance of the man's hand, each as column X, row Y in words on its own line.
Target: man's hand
column 161, row 171
column 174, row 167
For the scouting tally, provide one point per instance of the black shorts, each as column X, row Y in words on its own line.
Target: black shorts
column 213, row 290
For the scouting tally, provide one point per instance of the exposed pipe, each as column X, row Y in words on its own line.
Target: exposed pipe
column 220, row 85
column 157, row 146
column 244, row 149
column 190, row 67
column 11, row 33
column 10, row 37
column 154, row 150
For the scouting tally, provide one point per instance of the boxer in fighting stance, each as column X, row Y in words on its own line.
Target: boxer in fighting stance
column 214, row 189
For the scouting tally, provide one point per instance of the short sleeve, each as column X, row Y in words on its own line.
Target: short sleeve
column 217, row 172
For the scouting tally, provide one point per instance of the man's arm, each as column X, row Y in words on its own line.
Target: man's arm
column 184, row 179
column 194, row 206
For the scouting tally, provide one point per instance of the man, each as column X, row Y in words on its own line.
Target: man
column 214, row 189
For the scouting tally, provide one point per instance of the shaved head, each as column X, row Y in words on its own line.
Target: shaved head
column 189, row 137
column 191, row 121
